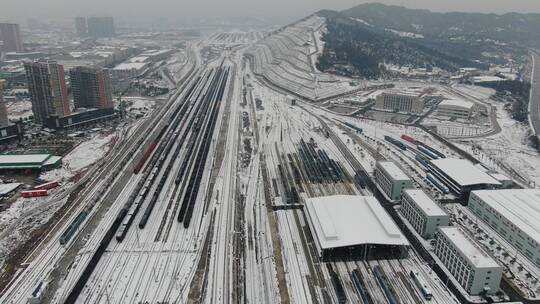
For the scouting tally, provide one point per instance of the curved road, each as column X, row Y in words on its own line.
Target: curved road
column 534, row 101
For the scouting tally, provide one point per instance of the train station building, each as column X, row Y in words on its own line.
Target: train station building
column 353, row 226
column 29, row 161
column 461, row 176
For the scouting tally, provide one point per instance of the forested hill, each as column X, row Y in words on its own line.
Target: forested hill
column 359, row 41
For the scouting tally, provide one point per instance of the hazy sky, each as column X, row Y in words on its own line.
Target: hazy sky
column 18, row 10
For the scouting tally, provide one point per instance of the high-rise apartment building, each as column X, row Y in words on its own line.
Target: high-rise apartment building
column 3, row 110
column 11, row 37
column 81, row 26
column 47, row 86
column 100, row 27
column 91, row 87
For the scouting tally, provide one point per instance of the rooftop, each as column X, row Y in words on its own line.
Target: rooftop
column 131, row 66
column 520, row 206
column 344, row 220
column 393, row 170
column 468, row 249
column 463, row 172
column 27, row 161
column 425, row 202
column 457, row 103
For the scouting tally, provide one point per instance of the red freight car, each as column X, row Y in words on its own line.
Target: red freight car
column 144, row 158
column 47, row 186
column 408, row 138
column 34, row 193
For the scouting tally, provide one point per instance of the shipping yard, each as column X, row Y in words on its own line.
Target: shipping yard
column 258, row 178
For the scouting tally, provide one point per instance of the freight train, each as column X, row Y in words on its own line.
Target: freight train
column 34, row 193
column 395, row 142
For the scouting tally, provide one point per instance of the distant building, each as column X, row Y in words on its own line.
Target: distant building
column 348, row 225
column 82, row 117
column 81, row 27
column 47, row 86
column 514, row 214
column 470, row 266
column 129, row 69
column 401, row 102
column 101, row 27
column 91, row 88
column 456, row 108
column 391, row 180
column 424, row 215
column 4, row 121
column 11, row 37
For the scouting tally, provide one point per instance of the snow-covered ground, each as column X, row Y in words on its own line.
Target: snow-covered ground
column 82, row 156
column 19, row 109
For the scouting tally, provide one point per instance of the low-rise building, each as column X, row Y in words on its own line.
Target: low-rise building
column 514, row 214
column 424, row 215
column 401, row 102
column 391, row 180
column 461, row 176
column 129, row 69
column 29, row 161
column 470, row 266
column 456, row 108
column 349, row 225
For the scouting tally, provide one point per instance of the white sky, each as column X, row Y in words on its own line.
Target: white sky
column 227, row 9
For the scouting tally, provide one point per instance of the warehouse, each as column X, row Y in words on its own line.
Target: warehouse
column 514, row 214
column 461, row 176
column 400, row 101
column 29, row 161
column 470, row 266
column 391, row 180
column 80, row 118
column 345, row 225
column 422, row 212
column 456, row 108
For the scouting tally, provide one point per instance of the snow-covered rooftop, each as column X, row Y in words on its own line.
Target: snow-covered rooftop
column 131, row 66
column 23, row 159
column 457, row 103
column 346, row 220
column 8, row 188
column 468, row 249
column 394, row 171
column 488, row 79
column 425, row 203
column 521, row 207
column 463, row 172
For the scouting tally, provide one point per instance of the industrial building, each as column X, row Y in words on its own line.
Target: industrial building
column 129, row 69
column 80, row 118
column 456, row 108
column 29, row 161
column 461, row 176
column 514, row 214
column 47, row 86
column 391, row 180
column 424, row 215
column 470, row 266
column 401, row 102
column 345, row 225
column 11, row 37
column 91, row 88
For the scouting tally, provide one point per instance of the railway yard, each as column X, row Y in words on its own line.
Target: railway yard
column 203, row 201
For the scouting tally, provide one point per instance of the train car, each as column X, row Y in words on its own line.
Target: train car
column 34, row 193
column 381, row 279
column 338, row 286
column 73, row 227
column 47, row 186
column 361, row 287
column 427, row 152
column 421, row 285
column 145, row 157
column 434, row 151
column 395, row 142
column 37, row 294
column 422, row 160
column 408, row 138
column 438, row 184
column 357, row 129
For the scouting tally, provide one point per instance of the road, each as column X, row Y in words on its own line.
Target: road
column 534, row 102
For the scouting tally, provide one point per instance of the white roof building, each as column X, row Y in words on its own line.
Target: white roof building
column 345, row 221
column 461, row 175
column 457, row 103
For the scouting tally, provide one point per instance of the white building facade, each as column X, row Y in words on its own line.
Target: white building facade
column 391, row 180
column 459, row 109
column 395, row 101
column 424, row 215
column 472, row 268
column 514, row 214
